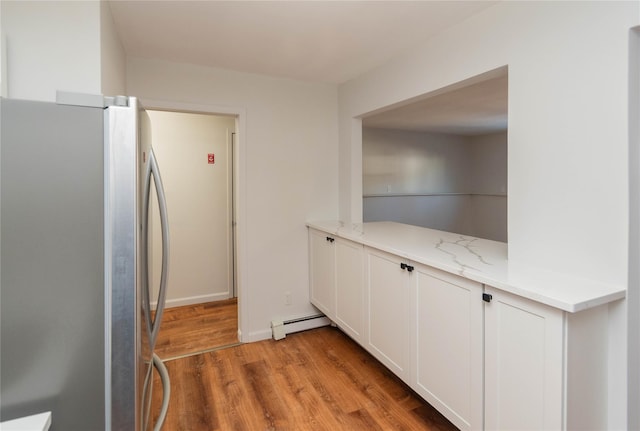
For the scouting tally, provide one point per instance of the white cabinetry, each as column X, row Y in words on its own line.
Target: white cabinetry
column 336, row 270
column 388, row 291
column 545, row 369
column 350, row 288
column 426, row 326
column 449, row 349
column 505, row 363
column 523, row 364
column 322, row 272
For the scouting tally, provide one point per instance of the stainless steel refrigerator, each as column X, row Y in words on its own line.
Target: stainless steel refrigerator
column 77, row 333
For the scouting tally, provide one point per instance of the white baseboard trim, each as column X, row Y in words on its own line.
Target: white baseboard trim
column 190, row 300
column 280, row 329
column 291, row 326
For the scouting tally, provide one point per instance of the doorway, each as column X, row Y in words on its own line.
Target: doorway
column 195, row 152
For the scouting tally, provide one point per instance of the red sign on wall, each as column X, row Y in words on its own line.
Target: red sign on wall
column 211, row 158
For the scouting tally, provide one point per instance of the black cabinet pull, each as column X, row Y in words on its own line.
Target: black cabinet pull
column 487, row 297
column 330, row 239
column 407, row 267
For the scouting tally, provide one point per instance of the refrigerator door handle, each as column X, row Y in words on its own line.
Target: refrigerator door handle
column 166, row 391
column 147, row 389
column 144, row 253
column 164, row 225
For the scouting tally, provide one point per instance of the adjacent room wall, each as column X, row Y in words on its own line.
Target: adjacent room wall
column 198, row 196
column 406, row 176
column 488, row 185
column 402, row 162
column 440, row 181
column 290, row 162
column 568, row 135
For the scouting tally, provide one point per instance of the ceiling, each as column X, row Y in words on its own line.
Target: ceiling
column 475, row 109
column 320, row 41
column 325, row 41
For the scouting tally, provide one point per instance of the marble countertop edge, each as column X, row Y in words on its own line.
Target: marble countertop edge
column 476, row 259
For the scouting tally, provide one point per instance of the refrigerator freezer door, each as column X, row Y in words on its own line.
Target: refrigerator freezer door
column 52, row 297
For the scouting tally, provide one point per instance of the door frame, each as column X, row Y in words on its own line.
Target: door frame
column 239, row 189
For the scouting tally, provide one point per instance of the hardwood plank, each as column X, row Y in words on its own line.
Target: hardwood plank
column 373, row 384
column 274, row 412
column 187, row 410
column 196, row 328
column 314, row 380
column 233, row 401
column 292, row 367
column 312, row 401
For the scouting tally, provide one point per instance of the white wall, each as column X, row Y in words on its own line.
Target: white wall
column 290, row 168
column 59, row 45
column 568, row 134
column 51, row 45
column 407, row 174
column 3, row 60
column 198, row 196
column 555, row 80
column 112, row 55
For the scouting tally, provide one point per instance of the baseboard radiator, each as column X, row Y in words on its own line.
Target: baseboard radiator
column 280, row 329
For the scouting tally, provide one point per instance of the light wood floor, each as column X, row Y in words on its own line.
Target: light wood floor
column 197, row 328
column 313, row 380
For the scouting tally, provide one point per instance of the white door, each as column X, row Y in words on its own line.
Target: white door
column 449, row 351
column 388, row 289
column 322, row 272
column 195, row 153
column 523, row 364
column 350, row 288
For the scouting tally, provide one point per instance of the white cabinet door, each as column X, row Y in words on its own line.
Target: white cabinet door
column 523, row 364
column 388, row 291
column 350, row 288
column 322, row 272
column 449, row 350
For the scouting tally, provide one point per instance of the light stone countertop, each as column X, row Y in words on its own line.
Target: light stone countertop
column 476, row 259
